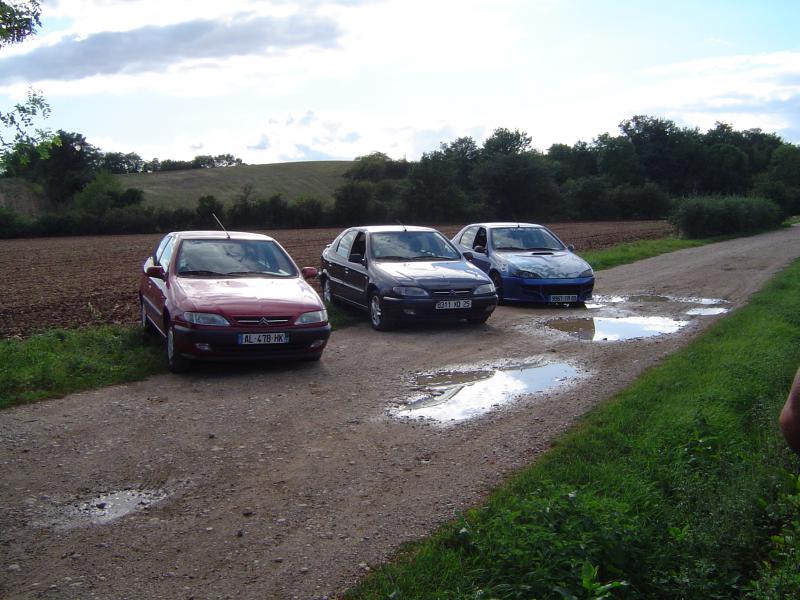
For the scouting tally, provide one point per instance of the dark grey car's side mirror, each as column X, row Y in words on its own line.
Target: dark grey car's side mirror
column 358, row 258
column 480, row 249
column 571, row 248
column 468, row 255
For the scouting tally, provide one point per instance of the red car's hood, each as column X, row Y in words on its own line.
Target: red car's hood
column 245, row 296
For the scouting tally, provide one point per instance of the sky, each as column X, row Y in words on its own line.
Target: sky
column 294, row 80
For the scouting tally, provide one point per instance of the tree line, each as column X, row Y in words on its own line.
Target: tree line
column 649, row 170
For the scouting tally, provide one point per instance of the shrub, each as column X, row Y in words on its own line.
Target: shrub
column 706, row 216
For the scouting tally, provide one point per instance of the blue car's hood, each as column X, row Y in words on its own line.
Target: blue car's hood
column 558, row 264
column 433, row 273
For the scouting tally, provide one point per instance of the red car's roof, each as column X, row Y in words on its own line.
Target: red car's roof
column 238, row 235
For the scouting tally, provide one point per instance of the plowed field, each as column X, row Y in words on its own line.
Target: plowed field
column 76, row 281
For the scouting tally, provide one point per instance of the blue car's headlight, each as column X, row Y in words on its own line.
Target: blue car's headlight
column 315, row 316
column 486, row 288
column 587, row 273
column 524, row 274
column 407, row 290
column 200, row 318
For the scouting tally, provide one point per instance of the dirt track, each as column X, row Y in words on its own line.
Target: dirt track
column 290, row 480
column 74, row 281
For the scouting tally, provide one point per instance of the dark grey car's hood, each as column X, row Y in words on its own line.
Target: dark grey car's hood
column 558, row 264
column 432, row 274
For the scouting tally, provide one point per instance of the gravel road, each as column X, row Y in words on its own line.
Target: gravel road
column 292, row 481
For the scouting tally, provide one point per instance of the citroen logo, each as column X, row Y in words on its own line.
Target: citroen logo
column 264, row 321
column 452, row 292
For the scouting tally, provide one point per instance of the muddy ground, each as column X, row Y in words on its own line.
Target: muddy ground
column 293, row 480
column 75, row 281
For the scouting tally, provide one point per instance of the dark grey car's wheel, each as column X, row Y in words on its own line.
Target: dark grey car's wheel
column 377, row 316
column 175, row 362
column 498, row 285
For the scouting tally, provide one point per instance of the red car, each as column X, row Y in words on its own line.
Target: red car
column 216, row 295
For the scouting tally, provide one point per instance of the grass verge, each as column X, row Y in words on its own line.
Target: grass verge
column 676, row 488
column 59, row 362
column 633, row 251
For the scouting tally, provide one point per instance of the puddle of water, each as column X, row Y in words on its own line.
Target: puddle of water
column 712, row 310
column 615, row 329
column 649, row 298
column 601, row 301
column 458, row 396
column 102, row 509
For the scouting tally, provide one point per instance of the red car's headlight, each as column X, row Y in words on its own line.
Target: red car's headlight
column 315, row 316
column 199, row 318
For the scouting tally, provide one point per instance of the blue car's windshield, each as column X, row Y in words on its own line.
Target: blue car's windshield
column 411, row 245
column 524, row 238
column 233, row 258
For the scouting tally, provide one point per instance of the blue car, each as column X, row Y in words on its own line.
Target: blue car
column 527, row 263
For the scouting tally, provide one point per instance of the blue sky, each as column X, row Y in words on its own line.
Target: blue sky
column 334, row 79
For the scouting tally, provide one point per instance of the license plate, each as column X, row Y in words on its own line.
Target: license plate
column 449, row 304
column 564, row 298
column 263, row 338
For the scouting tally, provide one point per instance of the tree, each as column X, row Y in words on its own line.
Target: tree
column 18, row 21
column 62, row 165
column 119, row 163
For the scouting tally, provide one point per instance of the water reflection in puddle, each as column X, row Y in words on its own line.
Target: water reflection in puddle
column 102, row 509
column 598, row 301
column 614, row 329
column 457, row 396
column 712, row 310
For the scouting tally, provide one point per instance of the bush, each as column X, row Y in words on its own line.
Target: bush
column 707, row 216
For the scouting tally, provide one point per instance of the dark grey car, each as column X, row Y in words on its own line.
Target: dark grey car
column 404, row 273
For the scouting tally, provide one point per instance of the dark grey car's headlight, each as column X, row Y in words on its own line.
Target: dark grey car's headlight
column 587, row 273
column 486, row 288
column 409, row 290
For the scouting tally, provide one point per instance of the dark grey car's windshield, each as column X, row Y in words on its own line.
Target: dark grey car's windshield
column 524, row 238
column 233, row 258
column 411, row 245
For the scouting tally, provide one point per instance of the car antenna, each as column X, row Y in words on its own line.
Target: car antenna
column 221, row 225
column 403, row 226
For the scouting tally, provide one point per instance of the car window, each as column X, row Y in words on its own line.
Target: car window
column 165, row 255
column 343, row 248
column 468, row 237
column 359, row 245
column 412, row 245
column 160, row 248
column 230, row 257
column 524, row 238
column 480, row 238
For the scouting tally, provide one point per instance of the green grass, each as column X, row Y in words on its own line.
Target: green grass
column 59, row 362
column 173, row 189
column 633, row 251
column 672, row 489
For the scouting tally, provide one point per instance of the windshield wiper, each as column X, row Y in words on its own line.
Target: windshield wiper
column 434, row 257
column 390, row 257
column 510, row 248
column 260, row 273
column 200, row 272
column 542, row 248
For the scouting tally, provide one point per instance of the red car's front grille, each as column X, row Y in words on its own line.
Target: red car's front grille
column 262, row 321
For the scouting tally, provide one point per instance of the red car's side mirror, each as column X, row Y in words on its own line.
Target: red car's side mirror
column 156, row 271
column 309, row 272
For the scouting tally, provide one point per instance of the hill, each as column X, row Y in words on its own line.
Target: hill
column 22, row 197
column 292, row 180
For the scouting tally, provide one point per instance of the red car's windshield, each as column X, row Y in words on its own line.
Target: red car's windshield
column 233, row 258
